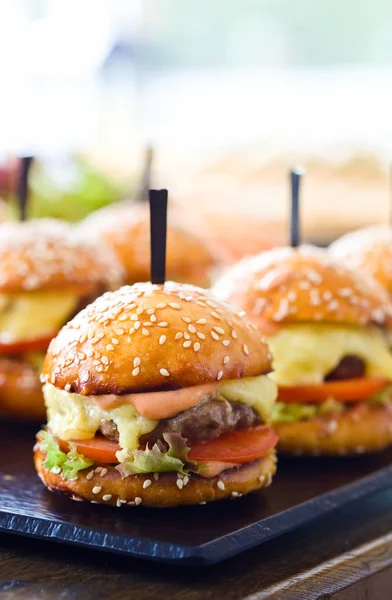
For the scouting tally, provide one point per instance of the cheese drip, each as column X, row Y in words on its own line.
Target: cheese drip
column 34, row 315
column 306, row 353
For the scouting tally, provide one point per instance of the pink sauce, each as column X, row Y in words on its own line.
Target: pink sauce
column 158, row 405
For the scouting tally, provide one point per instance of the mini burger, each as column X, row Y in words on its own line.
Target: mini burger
column 326, row 327
column 157, row 395
column 368, row 251
column 46, row 275
column 125, row 227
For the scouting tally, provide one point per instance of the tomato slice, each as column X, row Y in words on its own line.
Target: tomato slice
column 350, row 390
column 26, row 346
column 236, row 447
column 99, row 449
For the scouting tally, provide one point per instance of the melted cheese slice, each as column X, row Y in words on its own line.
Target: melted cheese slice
column 305, row 353
column 34, row 315
column 76, row 417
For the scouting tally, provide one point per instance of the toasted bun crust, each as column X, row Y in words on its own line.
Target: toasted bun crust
column 150, row 337
column 47, row 254
column 369, row 251
column 126, row 228
column 289, row 285
column 363, row 428
column 163, row 492
column 21, row 396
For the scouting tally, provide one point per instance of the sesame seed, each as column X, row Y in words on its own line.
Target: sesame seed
column 97, row 489
column 103, row 472
column 226, row 342
column 118, row 503
column 186, row 335
column 174, row 305
column 115, row 341
column 136, row 371
column 153, row 318
column 220, row 485
column 261, row 478
column 192, row 328
column 215, row 335
column 162, row 324
column 96, row 363
column 186, row 319
column 136, row 361
column 219, row 330
column 201, row 335
column 211, row 304
column 186, row 480
column 162, row 340
column 106, row 497
column 164, row 372
column 105, row 360
column 151, row 311
column 119, row 331
column 147, row 324
column 234, row 494
column 178, row 335
column 131, row 331
column 234, row 334
column 139, row 310
column 226, row 360
column 161, row 305
column 180, row 484
column 241, row 314
column 137, row 324
column 215, row 315
column 196, row 346
column 201, row 321
column 187, row 344
column 147, row 483
column 84, row 377
column 67, row 387
column 109, row 347
column 145, row 331
column 138, row 500
column 81, row 355
column 220, row 375
column 134, row 317
column 245, row 349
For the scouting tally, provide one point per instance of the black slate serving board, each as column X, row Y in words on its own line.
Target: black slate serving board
column 304, row 489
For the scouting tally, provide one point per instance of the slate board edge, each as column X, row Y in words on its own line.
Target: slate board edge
column 205, row 554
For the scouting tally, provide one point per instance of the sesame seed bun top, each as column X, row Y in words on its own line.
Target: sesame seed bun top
column 46, row 254
column 289, row 285
column 126, row 228
column 152, row 337
column 369, row 251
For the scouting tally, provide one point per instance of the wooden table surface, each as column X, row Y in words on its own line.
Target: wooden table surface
column 345, row 556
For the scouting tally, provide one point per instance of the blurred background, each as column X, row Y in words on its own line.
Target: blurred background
column 229, row 93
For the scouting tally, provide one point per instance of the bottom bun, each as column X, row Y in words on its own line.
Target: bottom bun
column 21, row 396
column 361, row 428
column 106, row 485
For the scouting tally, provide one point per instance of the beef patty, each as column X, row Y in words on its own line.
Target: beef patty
column 205, row 421
column 349, row 367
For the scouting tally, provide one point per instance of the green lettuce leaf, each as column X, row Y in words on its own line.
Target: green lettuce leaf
column 158, row 459
column 70, row 463
column 384, row 397
column 289, row 413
